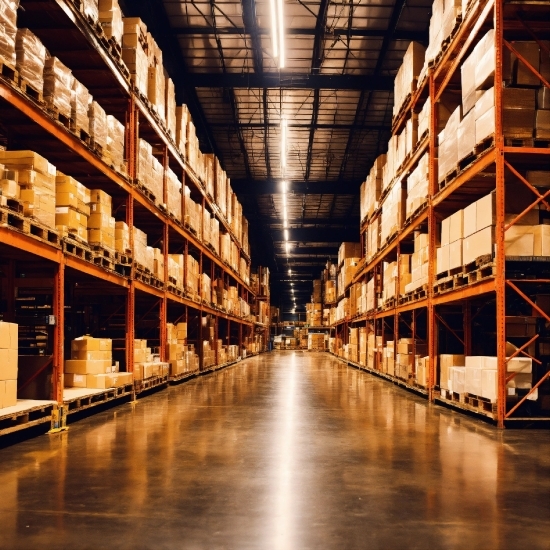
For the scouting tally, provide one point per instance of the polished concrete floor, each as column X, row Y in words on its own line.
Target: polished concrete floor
column 285, row 451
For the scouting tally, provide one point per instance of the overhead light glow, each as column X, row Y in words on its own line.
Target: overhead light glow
column 284, row 213
column 287, row 247
column 285, row 224
column 284, row 200
column 281, row 22
column 290, row 271
column 286, row 234
column 274, row 28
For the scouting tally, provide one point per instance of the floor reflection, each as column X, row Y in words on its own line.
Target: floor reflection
column 289, row 450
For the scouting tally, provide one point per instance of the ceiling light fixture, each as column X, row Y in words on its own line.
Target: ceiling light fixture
column 281, row 22
column 286, row 234
column 274, row 28
column 290, row 271
column 287, row 247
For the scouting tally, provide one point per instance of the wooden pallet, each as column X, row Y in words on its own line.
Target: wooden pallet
column 76, row 248
column 448, row 177
column 82, row 134
column 21, row 416
column 182, row 376
column 145, row 191
column 175, row 290
column 31, row 91
column 418, row 294
column 29, row 226
column 156, row 282
column 417, row 211
column 123, row 258
column 9, row 72
column 481, row 404
column 537, row 143
column 142, row 277
column 478, row 151
column 59, row 117
column 149, row 383
column 78, row 404
column 482, row 272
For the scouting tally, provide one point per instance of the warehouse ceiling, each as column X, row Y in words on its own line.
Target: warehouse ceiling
column 335, row 92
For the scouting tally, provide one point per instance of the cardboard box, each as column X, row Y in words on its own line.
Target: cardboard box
column 72, row 380
column 9, row 335
column 447, row 361
column 519, row 240
column 88, row 343
column 486, row 211
column 78, row 366
column 541, row 242
column 8, row 364
column 455, row 254
column 457, row 379
column 9, row 398
column 91, row 355
column 472, row 382
column 478, row 244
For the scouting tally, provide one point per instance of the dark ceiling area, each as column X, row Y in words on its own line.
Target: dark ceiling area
column 335, row 92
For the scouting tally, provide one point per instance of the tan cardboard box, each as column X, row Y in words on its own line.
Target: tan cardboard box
column 442, row 258
column 455, row 254
column 98, row 381
column 87, row 343
column 541, row 244
column 92, row 355
column 486, row 211
column 10, row 394
column 8, row 364
column 447, row 361
column 9, row 334
column 120, row 379
column 75, row 380
column 98, row 196
column 456, row 226
column 78, row 366
column 470, row 220
column 478, row 244
column 519, row 240
column 2, row 393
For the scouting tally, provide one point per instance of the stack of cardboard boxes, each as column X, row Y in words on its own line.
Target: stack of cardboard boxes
column 182, row 357
column 91, row 365
column 58, row 82
column 31, row 57
column 9, row 346
column 114, row 152
column 419, row 262
column 72, row 207
column 8, row 31
column 393, row 212
column 134, row 52
column 36, row 179
column 417, row 186
column 101, row 225
column 146, row 363
column 110, row 18
column 99, row 129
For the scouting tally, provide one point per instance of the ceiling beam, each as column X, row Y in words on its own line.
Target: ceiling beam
column 291, row 81
column 272, row 186
column 404, row 34
column 317, row 126
column 317, row 235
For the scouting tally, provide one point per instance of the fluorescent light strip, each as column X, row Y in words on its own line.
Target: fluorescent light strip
column 280, row 21
column 286, row 234
column 274, row 28
column 283, row 142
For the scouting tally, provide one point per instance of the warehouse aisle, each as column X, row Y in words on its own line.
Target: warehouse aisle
column 289, row 450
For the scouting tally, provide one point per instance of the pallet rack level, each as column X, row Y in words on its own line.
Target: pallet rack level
column 505, row 281
column 71, row 263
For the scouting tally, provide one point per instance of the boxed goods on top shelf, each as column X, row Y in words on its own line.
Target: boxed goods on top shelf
column 90, row 9
column 110, row 18
column 30, row 58
column 407, row 75
column 8, row 30
column 134, row 55
column 80, row 107
column 170, row 105
column 393, row 212
column 182, row 120
column 9, row 350
column 156, row 80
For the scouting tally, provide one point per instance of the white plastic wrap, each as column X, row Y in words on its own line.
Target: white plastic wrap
column 98, row 124
column 115, row 142
column 31, row 56
column 110, row 17
column 90, row 9
column 80, row 101
column 173, row 188
column 58, row 82
column 8, row 30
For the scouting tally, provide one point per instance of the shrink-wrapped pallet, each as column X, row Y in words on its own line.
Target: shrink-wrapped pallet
column 90, row 9
column 80, row 105
column 134, row 54
column 31, row 57
column 98, row 125
column 158, row 263
column 115, row 143
column 448, row 145
column 110, row 17
column 8, row 30
column 407, row 75
column 417, row 186
column 156, row 91
column 393, row 212
column 122, row 238
column 175, row 269
column 215, row 234
column 182, row 118
column 58, row 81
column 170, row 103
column 173, row 191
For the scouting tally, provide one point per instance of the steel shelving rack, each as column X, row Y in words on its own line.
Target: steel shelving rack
column 433, row 313
column 30, row 126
